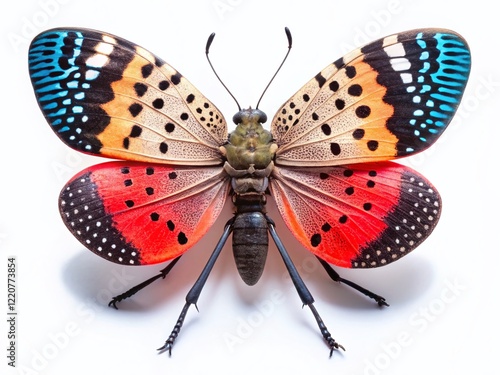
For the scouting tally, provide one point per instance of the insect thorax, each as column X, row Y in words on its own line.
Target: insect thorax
column 249, row 153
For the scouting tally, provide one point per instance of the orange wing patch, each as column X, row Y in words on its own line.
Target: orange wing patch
column 345, row 121
column 149, row 119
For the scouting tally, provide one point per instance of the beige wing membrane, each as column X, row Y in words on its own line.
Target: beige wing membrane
column 331, row 120
column 391, row 98
column 106, row 96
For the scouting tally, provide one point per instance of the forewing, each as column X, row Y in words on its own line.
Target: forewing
column 104, row 95
column 388, row 99
column 362, row 215
column 136, row 213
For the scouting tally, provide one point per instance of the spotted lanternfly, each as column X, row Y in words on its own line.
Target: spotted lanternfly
column 325, row 160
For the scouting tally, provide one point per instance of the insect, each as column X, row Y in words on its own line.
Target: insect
column 325, row 160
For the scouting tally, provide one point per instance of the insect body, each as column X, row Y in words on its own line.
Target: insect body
column 250, row 153
column 324, row 160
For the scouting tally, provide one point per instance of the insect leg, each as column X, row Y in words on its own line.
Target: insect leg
column 194, row 293
column 336, row 277
column 129, row 293
column 304, row 294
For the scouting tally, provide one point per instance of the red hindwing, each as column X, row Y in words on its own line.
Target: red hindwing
column 137, row 213
column 362, row 215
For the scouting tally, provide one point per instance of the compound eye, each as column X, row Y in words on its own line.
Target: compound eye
column 238, row 118
column 262, row 116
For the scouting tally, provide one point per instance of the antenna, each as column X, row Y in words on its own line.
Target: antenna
column 289, row 37
column 207, row 48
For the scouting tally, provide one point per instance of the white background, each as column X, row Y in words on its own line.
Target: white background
column 442, row 317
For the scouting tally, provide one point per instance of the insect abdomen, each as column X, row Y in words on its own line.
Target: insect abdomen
column 250, row 243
